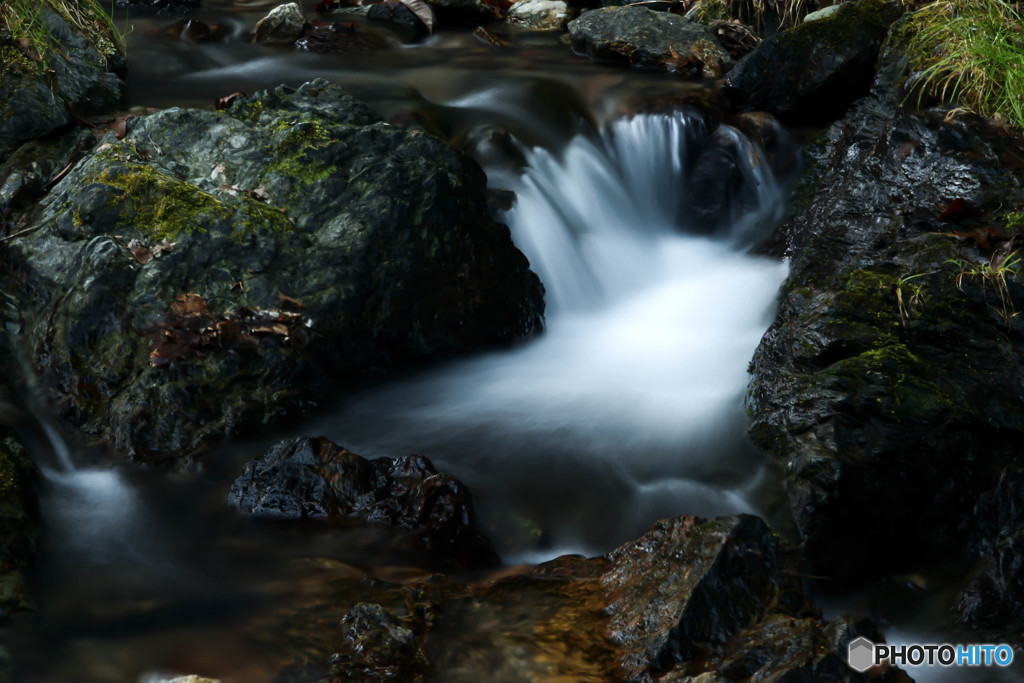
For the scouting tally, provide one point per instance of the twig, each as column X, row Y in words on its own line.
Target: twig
column 20, row 233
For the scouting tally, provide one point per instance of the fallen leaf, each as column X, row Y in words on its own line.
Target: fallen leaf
column 284, row 300
column 141, row 252
column 189, row 304
column 1013, row 161
column 982, row 236
column 957, row 210
column 228, row 100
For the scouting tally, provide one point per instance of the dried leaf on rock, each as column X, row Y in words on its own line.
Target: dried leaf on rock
column 284, row 301
column 189, row 304
column 957, row 210
column 422, row 11
column 982, row 236
column 140, row 251
column 228, row 100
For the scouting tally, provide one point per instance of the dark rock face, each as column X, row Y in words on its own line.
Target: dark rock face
column 691, row 600
column 644, row 37
column 85, row 81
column 814, row 71
column 315, row 479
column 20, row 523
column 220, row 268
column 895, row 409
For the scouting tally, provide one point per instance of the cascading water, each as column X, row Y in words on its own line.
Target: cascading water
column 628, row 408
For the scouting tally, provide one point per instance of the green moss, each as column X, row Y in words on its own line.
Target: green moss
column 163, row 207
column 893, row 381
column 297, row 147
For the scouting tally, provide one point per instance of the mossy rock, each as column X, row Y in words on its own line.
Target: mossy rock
column 888, row 385
column 70, row 71
column 814, row 71
column 380, row 233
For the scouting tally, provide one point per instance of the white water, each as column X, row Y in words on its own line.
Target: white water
column 629, row 407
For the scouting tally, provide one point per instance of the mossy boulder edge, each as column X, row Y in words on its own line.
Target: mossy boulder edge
column 380, row 233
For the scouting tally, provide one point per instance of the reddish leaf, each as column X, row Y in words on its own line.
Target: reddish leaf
column 285, row 301
column 228, row 100
column 956, row 211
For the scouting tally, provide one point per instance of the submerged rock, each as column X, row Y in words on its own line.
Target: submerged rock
column 539, row 15
column 84, row 77
column 817, row 69
column 216, row 269
column 315, row 479
column 282, row 26
column 691, row 600
column 888, row 386
column 644, row 37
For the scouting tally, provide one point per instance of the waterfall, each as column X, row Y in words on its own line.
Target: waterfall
column 629, row 407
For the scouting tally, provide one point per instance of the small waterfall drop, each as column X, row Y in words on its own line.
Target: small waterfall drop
column 629, row 407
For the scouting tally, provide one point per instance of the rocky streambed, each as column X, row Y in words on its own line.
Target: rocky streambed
column 179, row 277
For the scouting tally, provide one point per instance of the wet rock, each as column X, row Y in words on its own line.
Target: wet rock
column 162, row 6
column 33, row 167
column 644, row 37
column 816, row 70
column 397, row 13
column 738, row 39
column 894, row 409
column 315, row 479
column 195, row 31
column 299, row 245
column 282, row 26
column 85, row 79
column 691, row 600
column 342, row 38
column 539, row 15
column 20, row 523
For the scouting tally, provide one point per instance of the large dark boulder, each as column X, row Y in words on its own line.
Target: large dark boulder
column 889, row 385
column 643, row 37
column 315, row 479
column 85, row 79
column 691, row 600
column 814, row 71
column 216, row 269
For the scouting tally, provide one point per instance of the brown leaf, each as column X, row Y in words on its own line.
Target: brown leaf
column 189, row 304
column 141, row 252
column 284, row 301
column 981, row 236
column 227, row 332
column 279, row 329
column 120, row 127
column 1013, row 161
column 228, row 100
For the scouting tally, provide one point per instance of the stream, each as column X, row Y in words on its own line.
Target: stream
column 629, row 408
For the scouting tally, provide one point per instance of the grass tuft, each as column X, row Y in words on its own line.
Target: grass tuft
column 755, row 12
column 25, row 40
column 968, row 52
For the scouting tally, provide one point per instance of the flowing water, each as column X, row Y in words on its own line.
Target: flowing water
column 627, row 409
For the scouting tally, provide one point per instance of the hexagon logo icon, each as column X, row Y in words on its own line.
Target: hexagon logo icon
column 861, row 654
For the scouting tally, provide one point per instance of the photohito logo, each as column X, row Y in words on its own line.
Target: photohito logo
column 864, row 654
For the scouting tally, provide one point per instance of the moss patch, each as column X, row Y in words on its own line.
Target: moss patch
column 163, row 207
column 300, row 149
